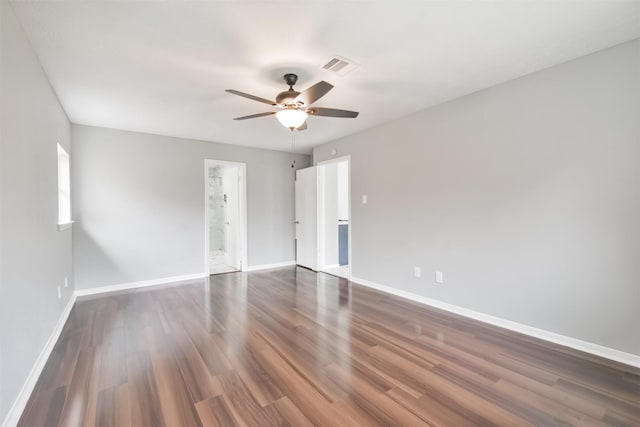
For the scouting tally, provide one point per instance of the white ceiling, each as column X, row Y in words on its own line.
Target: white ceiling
column 162, row 67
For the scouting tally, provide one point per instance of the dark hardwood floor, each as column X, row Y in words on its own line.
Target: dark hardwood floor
column 292, row 347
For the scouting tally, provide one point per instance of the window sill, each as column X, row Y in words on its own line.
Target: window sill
column 64, row 225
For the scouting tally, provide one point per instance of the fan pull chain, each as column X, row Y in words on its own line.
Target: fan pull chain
column 293, row 149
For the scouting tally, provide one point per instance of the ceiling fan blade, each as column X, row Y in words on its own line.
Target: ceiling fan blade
column 314, row 93
column 246, row 95
column 253, row 116
column 332, row 112
column 302, row 126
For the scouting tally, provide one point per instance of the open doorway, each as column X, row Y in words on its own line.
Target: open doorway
column 225, row 217
column 334, row 214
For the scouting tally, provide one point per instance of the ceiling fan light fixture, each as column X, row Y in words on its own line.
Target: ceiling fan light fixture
column 291, row 118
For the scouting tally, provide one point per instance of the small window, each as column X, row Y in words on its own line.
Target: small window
column 64, row 190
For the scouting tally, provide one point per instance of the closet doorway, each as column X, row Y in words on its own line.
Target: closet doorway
column 334, row 214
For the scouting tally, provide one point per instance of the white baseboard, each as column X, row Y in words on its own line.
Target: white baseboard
column 141, row 284
column 165, row 280
column 574, row 343
column 20, row 403
column 268, row 266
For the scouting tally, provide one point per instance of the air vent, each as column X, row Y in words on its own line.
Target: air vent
column 340, row 65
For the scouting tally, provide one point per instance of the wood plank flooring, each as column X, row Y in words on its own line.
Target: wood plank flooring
column 290, row 347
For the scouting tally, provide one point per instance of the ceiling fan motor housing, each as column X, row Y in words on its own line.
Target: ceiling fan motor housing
column 286, row 97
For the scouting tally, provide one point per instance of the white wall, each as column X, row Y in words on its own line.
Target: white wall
column 526, row 195
column 34, row 256
column 343, row 190
column 139, row 202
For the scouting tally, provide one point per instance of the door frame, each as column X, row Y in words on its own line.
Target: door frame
column 242, row 210
column 321, row 207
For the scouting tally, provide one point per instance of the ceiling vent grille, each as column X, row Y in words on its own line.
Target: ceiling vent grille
column 340, row 65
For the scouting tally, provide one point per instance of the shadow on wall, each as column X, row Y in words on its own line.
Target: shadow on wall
column 98, row 267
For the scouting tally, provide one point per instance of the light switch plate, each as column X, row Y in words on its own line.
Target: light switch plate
column 364, row 199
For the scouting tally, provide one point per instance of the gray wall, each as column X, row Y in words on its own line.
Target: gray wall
column 526, row 195
column 34, row 256
column 139, row 205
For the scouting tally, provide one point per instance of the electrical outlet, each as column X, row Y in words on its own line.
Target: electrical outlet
column 416, row 272
column 439, row 277
column 66, row 282
column 59, row 292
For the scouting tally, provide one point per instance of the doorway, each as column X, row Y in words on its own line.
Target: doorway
column 225, row 217
column 334, row 214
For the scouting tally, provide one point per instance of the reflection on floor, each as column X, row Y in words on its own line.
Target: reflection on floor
column 217, row 265
column 291, row 347
column 342, row 271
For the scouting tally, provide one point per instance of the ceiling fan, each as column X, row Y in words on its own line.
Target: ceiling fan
column 296, row 106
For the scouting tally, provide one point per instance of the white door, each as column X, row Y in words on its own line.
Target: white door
column 306, row 217
column 231, row 188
